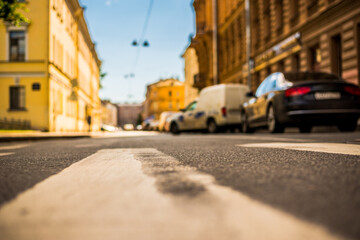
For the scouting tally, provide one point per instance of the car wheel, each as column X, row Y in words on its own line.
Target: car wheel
column 174, row 128
column 212, row 127
column 305, row 128
column 245, row 124
column 273, row 125
column 348, row 126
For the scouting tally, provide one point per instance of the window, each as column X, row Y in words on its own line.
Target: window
column 262, row 88
column 279, row 16
column 266, row 22
column 17, row 98
column 315, row 58
column 17, row 46
column 336, row 58
column 296, row 63
column 358, row 50
column 170, row 93
column 312, row 6
column 170, row 105
column 294, row 12
column 191, row 107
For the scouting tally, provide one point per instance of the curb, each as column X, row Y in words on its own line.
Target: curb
column 37, row 138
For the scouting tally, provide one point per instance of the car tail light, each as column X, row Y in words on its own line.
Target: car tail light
column 353, row 90
column 297, row 91
column 223, row 111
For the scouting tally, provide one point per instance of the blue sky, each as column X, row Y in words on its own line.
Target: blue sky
column 114, row 24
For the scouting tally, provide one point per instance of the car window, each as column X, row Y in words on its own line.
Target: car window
column 272, row 79
column 282, row 83
column 191, row 107
column 261, row 89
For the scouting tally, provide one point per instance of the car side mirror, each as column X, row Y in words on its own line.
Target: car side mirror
column 250, row 94
column 182, row 110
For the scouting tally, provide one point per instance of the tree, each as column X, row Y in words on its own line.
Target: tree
column 102, row 76
column 9, row 12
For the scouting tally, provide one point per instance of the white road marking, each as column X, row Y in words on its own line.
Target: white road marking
column 6, row 153
column 108, row 196
column 10, row 147
column 337, row 148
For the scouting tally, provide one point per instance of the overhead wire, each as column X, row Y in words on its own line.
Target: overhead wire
column 142, row 36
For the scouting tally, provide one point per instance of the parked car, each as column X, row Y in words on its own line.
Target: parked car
column 217, row 108
column 128, row 127
column 302, row 99
column 154, row 125
column 162, row 120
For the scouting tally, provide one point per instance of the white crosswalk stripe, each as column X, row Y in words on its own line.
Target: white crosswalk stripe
column 123, row 194
column 337, row 148
column 6, row 153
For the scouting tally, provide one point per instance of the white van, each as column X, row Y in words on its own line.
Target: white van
column 217, row 108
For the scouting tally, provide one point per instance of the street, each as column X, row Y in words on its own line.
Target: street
column 192, row 186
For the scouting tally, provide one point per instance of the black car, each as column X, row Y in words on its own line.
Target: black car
column 302, row 99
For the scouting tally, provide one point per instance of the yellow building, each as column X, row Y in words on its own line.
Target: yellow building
column 49, row 69
column 164, row 95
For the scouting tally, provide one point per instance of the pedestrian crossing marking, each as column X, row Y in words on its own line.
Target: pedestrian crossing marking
column 6, row 154
column 336, row 148
column 11, row 147
column 115, row 194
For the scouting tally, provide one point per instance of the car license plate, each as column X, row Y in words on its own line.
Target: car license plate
column 327, row 95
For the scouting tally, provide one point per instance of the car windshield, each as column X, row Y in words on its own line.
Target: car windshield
column 191, row 106
column 303, row 76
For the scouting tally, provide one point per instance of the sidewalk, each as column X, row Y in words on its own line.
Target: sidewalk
column 25, row 136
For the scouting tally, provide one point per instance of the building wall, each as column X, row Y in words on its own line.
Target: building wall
column 109, row 113
column 60, row 56
column 129, row 113
column 164, row 95
column 26, row 73
column 191, row 72
column 286, row 35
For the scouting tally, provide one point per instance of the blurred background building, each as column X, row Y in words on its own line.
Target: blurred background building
column 49, row 69
column 129, row 114
column 164, row 95
column 286, row 35
column 109, row 113
column 191, row 73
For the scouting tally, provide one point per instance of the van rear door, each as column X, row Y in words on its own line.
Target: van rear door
column 235, row 96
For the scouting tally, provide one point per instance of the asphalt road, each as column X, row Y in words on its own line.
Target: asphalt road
column 313, row 177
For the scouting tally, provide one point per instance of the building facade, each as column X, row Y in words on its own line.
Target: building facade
column 162, row 96
column 129, row 113
column 286, row 35
column 49, row 69
column 191, row 72
column 109, row 113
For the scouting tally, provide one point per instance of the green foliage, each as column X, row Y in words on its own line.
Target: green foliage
column 9, row 12
column 102, row 76
column 139, row 119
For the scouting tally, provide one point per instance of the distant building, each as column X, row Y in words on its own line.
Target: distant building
column 49, row 69
column 109, row 113
column 129, row 113
column 286, row 35
column 191, row 75
column 164, row 95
